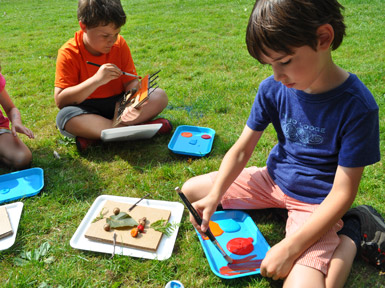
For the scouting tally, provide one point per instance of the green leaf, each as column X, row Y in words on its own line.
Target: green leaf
column 120, row 223
column 20, row 261
column 35, row 254
column 43, row 249
column 27, row 255
column 164, row 227
column 101, row 216
column 49, row 260
column 121, row 215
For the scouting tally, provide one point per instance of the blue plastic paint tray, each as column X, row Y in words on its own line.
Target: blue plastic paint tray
column 192, row 140
column 20, row 184
column 235, row 224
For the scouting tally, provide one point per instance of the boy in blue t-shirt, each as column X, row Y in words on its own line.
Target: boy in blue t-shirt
column 327, row 127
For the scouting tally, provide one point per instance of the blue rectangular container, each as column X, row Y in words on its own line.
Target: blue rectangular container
column 192, row 140
column 235, row 224
column 20, row 184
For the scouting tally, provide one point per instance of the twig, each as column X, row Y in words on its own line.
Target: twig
column 133, row 206
column 114, row 243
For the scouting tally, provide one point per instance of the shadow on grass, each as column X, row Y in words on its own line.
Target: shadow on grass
column 142, row 152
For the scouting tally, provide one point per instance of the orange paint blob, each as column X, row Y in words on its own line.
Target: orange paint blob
column 186, row 134
column 215, row 229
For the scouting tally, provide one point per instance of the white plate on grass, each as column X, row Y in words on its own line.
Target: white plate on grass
column 129, row 133
column 166, row 245
column 14, row 213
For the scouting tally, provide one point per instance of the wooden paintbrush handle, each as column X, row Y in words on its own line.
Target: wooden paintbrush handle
column 195, row 214
column 198, row 219
column 190, row 207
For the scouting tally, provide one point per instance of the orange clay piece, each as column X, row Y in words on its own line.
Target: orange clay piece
column 215, row 229
column 134, row 232
column 186, row 134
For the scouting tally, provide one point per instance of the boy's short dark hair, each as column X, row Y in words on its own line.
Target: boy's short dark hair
column 94, row 13
column 281, row 25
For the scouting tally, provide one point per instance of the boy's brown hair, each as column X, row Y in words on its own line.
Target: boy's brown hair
column 281, row 25
column 94, row 13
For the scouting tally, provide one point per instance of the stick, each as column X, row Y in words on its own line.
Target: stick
column 199, row 221
column 114, row 244
column 133, row 206
column 154, row 74
column 125, row 73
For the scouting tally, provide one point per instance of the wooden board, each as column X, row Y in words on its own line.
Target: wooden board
column 147, row 241
column 5, row 224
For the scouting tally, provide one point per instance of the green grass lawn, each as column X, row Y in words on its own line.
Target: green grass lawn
column 210, row 80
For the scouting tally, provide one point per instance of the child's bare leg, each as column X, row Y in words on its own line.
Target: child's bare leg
column 197, row 187
column 339, row 269
column 341, row 263
column 88, row 126
column 302, row 276
column 13, row 152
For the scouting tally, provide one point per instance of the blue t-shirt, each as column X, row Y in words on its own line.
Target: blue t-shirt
column 316, row 132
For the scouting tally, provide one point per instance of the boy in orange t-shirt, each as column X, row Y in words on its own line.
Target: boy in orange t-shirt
column 86, row 95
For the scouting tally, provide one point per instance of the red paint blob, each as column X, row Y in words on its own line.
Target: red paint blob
column 206, row 136
column 241, row 266
column 186, row 134
column 240, row 246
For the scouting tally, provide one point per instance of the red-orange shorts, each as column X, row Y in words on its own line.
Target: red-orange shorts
column 254, row 189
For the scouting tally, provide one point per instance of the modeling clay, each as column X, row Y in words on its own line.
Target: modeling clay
column 134, row 232
column 186, row 134
column 206, row 136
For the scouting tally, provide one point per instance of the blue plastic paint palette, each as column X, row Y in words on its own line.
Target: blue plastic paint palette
column 20, row 184
column 235, row 224
column 192, row 140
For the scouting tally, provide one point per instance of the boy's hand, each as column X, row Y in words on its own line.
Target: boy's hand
column 278, row 261
column 205, row 208
column 106, row 73
column 130, row 114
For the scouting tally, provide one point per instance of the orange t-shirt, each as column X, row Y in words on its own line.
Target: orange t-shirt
column 72, row 68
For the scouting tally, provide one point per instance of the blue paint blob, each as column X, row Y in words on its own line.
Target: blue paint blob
column 229, row 225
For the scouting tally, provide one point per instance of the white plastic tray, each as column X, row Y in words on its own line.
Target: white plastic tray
column 166, row 245
column 14, row 213
column 130, row 133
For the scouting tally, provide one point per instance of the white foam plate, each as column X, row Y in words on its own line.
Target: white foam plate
column 130, row 133
column 166, row 245
column 14, row 213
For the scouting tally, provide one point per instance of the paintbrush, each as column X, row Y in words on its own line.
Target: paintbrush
column 198, row 219
column 125, row 73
